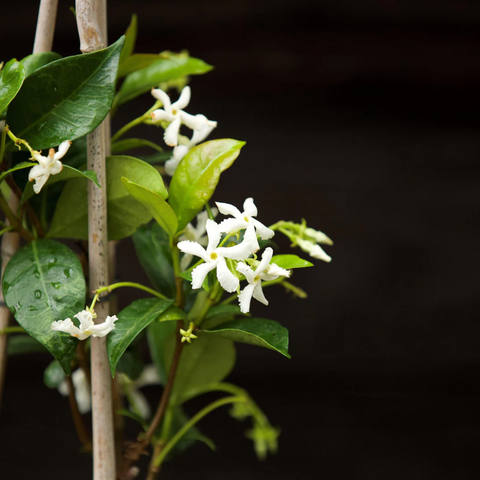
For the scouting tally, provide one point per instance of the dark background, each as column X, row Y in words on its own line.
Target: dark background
column 361, row 117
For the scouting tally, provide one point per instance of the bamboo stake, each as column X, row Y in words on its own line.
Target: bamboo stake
column 102, row 416
column 11, row 240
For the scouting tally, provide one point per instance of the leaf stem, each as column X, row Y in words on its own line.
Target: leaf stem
column 2, row 143
column 18, row 141
column 9, row 330
column 137, row 121
column 194, row 420
column 114, row 286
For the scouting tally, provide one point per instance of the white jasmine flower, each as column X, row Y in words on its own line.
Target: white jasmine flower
column 202, row 128
column 47, row 166
column 318, row 236
column 87, row 326
column 264, row 271
column 314, row 250
column 243, row 220
column 196, row 234
column 82, row 390
column 214, row 256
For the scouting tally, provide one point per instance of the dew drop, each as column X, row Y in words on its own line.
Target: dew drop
column 68, row 272
column 56, row 285
column 37, row 294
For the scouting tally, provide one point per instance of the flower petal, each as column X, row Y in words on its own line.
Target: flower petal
column 258, row 294
column 82, row 391
column 199, row 273
column 266, row 258
column 57, row 167
column 238, row 252
column 62, row 150
column 249, row 207
column 66, row 326
column 226, row 278
column 275, row 271
column 185, row 261
column 200, row 134
column 171, row 166
column 183, row 100
column 245, row 270
column 102, row 329
column 262, row 231
column 214, row 234
column 171, row 133
column 245, row 298
column 250, row 236
column 162, row 115
column 149, row 376
column 231, row 225
column 85, row 318
column 193, row 248
column 159, row 94
column 227, row 209
column 318, row 252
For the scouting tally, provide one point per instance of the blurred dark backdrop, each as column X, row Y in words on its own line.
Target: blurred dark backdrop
column 361, row 117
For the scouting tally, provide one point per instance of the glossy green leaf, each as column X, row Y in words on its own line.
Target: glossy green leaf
column 220, row 314
column 144, row 80
column 138, row 61
column 130, row 40
column 158, row 334
column 290, row 261
column 43, row 283
column 125, row 214
column 36, row 60
column 172, row 313
column 131, row 321
column 20, row 344
column 153, row 252
column 132, row 143
column 12, row 76
column 255, row 331
column 65, row 99
column 53, row 375
column 131, row 363
column 160, row 210
column 209, row 359
column 19, row 166
column 66, row 174
column 197, row 176
column 159, row 157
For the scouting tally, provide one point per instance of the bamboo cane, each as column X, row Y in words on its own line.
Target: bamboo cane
column 102, row 416
column 43, row 43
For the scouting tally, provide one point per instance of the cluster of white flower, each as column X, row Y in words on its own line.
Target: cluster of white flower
column 47, row 166
column 215, row 256
column 174, row 113
column 87, row 325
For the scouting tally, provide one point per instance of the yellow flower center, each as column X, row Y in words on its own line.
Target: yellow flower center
column 213, row 256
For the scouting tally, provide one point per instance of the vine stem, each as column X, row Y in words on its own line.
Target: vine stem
column 194, row 420
column 135, row 122
column 91, row 39
column 114, row 286
column 11, row 240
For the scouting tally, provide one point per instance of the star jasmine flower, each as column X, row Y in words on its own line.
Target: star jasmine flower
column 50, row 165
column 264, row 271
column 82, row 390
column 202, row 128
column 87, row 326
column 243, row 220
column 318, row 236
column 314, row 250
column 214, row 257
column 196, row 234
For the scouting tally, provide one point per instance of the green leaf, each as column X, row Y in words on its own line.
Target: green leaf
column 19, row 344
column 125, row 214
column 133, row 416
column 138, row 61
column 130, row 39
column 144, row 80
column 65, row 99
column 153, row 252
column 255, row 331
column 209, row 359
column 290, row 261
column 36, row 60
column 197, row 176
column 173, row 313
column 131, row 143
column 160, row 210
column 43, row 283
column 159, row 157
column 131, row 321
column 53, row 375
column 19, row 166
column 220, row 314
column 12, row 76
column 131, row 363
column 66, row 174
column 158, row 334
